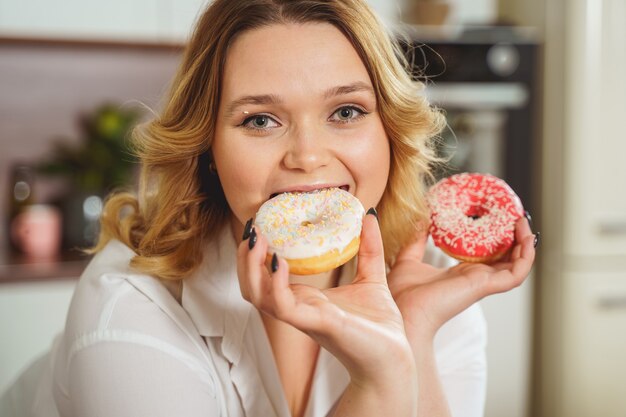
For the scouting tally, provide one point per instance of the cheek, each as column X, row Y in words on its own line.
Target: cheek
column 242, row 175
column 235, row 169
column 369, row 163
column 378, row 170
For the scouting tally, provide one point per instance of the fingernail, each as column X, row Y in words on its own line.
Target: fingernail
column 246, row 230
column 373, row 212
column 537, row 239
column 252, row 240
column 529, row 218
column 274, row 263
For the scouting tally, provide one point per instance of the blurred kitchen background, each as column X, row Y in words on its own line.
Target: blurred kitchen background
column 534, row 92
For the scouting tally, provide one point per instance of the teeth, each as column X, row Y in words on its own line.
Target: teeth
column 343, row 187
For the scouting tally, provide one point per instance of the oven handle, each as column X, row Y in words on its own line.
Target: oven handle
column 487, row 96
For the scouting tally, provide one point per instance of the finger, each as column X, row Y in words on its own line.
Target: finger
column 371, row 260
column 512, row 274
column 522, row 229
column 283, row 300
column 522, row 265
column 293, row 304
column 257, row 274
column 242, row 270
column 516, row 252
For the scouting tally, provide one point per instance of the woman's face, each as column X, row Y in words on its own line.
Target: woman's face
column 297, row 113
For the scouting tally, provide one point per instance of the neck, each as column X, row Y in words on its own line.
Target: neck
column 236, row 228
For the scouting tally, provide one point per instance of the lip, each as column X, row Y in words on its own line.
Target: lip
column 308, row 188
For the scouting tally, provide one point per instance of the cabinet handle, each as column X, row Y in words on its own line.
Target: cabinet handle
column 612, row 302
column 612, row 227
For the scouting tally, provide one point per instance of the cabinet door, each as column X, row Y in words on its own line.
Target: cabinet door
column 594, row 345
column 119, row 20
column 183, row 16
column 595, row 175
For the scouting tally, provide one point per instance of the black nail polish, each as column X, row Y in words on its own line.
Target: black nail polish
column 373, row 212
column 537, row 239
column 529, row 218
column 274, row 263
column 246, row 230
column 252, row 240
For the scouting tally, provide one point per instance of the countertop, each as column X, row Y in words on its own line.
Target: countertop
column 17, row 268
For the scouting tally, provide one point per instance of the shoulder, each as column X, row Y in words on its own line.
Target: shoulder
column 111, row 295
column 124, row 334
column 114, row 306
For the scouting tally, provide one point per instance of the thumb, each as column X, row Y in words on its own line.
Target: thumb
column 371, row 258
column 414, row 250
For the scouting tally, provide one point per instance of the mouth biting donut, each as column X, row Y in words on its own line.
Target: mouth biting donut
column 473, row 216
column 313, row 231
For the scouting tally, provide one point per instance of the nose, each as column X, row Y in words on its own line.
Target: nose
column 307, row 150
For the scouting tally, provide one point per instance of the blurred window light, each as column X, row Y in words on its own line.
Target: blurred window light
column 92, row 207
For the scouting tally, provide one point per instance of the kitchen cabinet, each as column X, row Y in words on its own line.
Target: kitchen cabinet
column 582, row 291
column 160, row 21
column 594, row 336
column 595, row 110
column 31, row 315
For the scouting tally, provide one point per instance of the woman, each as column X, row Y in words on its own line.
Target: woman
column 177, row 316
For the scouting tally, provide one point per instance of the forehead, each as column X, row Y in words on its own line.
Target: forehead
column 276, row 57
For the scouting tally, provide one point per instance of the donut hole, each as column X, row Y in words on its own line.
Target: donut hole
column 313, row 222
column 476, row 212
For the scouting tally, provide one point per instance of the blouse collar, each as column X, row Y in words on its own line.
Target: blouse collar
column 212, row 297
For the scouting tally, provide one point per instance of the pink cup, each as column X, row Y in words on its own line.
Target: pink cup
column 37, row 231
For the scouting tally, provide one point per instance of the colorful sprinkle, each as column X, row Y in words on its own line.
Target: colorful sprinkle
column 473, row 215
column 302, row 225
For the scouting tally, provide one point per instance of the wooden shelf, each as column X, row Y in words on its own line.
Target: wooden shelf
column 17, row 268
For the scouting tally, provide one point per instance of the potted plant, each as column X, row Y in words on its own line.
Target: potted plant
column 99, row 163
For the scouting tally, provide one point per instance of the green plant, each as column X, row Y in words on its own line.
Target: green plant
column 103, row 159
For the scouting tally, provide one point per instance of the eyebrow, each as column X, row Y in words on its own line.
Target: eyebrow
column 347, row 89
column 262, row 99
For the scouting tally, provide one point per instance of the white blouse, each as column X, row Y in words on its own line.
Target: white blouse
column 131, row 349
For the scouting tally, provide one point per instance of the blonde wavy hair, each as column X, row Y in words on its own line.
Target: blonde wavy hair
column 180, row 204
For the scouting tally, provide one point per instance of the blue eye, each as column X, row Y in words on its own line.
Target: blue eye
column 347, row 114
column 259, row 122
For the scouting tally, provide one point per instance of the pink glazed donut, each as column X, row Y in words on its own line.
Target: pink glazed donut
column 473, row 216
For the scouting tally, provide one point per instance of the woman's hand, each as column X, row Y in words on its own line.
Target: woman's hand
column 358, row 323
column 428, row 297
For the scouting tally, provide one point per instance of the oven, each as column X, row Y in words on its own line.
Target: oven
column 485, row 79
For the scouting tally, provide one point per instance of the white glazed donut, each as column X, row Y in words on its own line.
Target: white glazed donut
column 313, row 231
